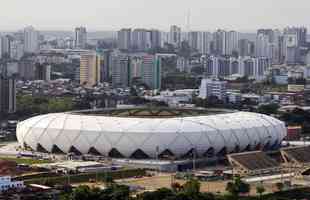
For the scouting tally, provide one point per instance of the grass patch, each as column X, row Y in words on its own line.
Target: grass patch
column 81, row 178
column 27, row 161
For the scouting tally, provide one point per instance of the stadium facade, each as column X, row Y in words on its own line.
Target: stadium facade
column 143, row 133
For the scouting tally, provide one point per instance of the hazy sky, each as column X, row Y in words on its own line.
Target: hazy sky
column 115, row 14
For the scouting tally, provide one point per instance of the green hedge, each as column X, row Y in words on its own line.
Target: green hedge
column 86, row 177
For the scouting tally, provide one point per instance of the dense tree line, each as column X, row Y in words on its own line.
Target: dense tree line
column 236, row 190
column 188, row 191
column 28, row 105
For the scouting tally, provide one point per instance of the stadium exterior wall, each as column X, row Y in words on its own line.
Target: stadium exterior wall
column 179, row 137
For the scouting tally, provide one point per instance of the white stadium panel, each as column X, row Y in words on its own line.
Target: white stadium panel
column 110, row 124
column 81, row 144
column 143, row 136
column 27, row 125
column 55, row 127
column 103, row 145
column 125, row 146
column 180, row 146
column 203, row 144
column 158, row 141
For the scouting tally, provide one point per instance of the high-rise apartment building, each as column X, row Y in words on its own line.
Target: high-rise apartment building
column 89, row 69
column 31, row 40
column 269, row 33
column 262, row 46
column 300, row 32
column 121, row 70
column 43, row 72
column 244, row 47
column 204, row 44
column 80, row 37
column 151, row 71
column 219, row 42
column 155, row 38
column 7, row 95
column 141, row 39
column 6, row 46
column 231, row 42
column 124, row 39
column 17, row 49
column 106, row 70
column 136, row 67
column 175, row 35
column 193, row 39
column 26, row 69
column 7, row 91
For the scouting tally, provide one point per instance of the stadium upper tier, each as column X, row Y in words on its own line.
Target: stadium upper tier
column 149, row 133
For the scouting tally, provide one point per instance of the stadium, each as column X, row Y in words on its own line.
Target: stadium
column 149, row 133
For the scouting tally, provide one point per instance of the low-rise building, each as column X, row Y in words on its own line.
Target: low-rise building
column 211, row 87
column 6, row 183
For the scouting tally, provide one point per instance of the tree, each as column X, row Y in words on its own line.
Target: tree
column 280, row 186
column 236, row 187
column 260, row 190
column 191, row 187
column 176, row 187
column 268, row 108
column 82, row 192
column 160, row 194
column 120, row 192
column 108, row 180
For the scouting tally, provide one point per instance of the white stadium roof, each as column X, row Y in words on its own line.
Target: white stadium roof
column 147, row 137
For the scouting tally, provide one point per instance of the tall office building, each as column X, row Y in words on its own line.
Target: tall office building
column 31, row 40
column 175, row 35
column 121, row 71
column 80, row 37
column 124, row 39
column 89, row 69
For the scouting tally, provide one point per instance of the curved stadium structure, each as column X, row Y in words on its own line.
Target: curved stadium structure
column 142, row 133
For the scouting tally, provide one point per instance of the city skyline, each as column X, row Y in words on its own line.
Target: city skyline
column 113, row 15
